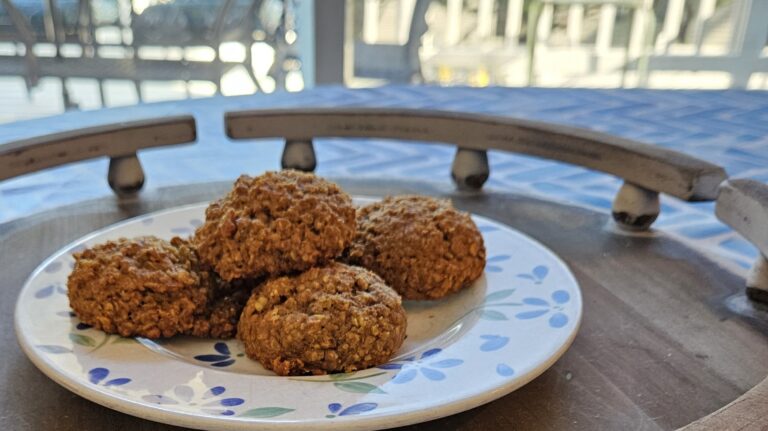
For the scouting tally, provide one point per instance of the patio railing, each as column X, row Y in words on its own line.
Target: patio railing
column 645, row 36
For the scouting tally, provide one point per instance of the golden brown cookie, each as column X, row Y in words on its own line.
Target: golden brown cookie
column 421, row 246
column 337, row 318
column 144, row 287
column 274, row 224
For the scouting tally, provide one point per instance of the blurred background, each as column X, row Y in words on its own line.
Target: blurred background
column 58, row 55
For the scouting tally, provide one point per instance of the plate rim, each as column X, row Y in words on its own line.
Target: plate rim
column 155, row 413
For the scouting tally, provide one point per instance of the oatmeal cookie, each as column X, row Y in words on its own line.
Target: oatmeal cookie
column 274, row 224
column 421, row 246
column 144, row 287
column 219, row 320
column 337, row 318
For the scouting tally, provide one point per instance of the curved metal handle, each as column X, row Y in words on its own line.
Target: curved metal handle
column 118, row 141
column 644, row 165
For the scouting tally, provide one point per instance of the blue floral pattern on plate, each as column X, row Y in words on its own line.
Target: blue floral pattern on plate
column 49, row 290
column 491, row 262
column 211, row 401
column 537, row 274
column 557, row 318
column 493, row 342
column 354, row 409
column 222, row 357
column 487, row 337
column 410, row 367
column 98, row 376
column 504, row 370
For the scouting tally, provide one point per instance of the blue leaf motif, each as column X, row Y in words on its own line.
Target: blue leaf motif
column 227, row 413
column 97, row 374
column 223, row 363
column 526, row 276
column 61, row 290
column 558, row 320
column 231, row 402
column 447, row 363
column 433, row 375
column 531, row 314
column 405, row 376
column 493, row 315
column 495, row 268
column 211, row 358
column 184, row 392
column 499, row 295
column 181, row 230
column 117, row 382
column 50, row 348
column 431, row 352
column 83, row 326
column 498, row 258
column 222, row 348
column 195, row 222
column 44, row 292
column 540, row 272
column 493, row 342
column 214, row 392
column 159, row 399
column 504, row 370
column 391, row 366
column 356, row 409
column 53, row 267
column 536, row 301
column 334, row 407
column 561, row 296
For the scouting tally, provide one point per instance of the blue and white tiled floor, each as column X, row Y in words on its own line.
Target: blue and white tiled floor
column 729, row 128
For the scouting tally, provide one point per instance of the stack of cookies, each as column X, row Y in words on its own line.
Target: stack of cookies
column 284, row 262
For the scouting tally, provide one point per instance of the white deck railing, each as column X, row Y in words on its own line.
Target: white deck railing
column 736, row 33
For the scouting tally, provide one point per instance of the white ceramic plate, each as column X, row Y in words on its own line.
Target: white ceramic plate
column 461, row 352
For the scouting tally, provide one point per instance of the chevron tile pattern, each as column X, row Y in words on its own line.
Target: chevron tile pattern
column 729, row 128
